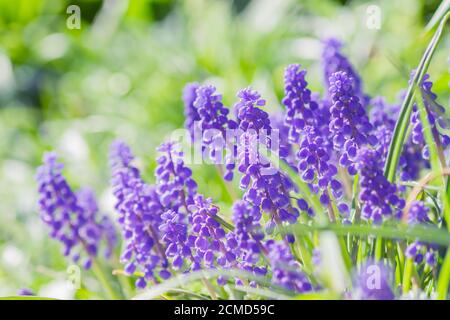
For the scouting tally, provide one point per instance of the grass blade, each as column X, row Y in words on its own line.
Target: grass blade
column 403, row 121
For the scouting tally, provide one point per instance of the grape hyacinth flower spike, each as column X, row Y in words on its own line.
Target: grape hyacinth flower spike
column 349, row 124
column 265, row 185
column 420, row 251
column 315, row 164
column 286, row 271
column 379, row 197
column 72, row 218
column 333, row 61
column 140, row 212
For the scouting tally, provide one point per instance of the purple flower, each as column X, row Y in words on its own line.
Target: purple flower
column 193, row 238
column 25, row 292
column 140, row 213
column 207, row 237
column 374, row 282
column 207, row 116
column 248, row 231
column 303, row 116
column 72, row 220
column 384, row 116
column 349, row 125
column 417, row 250
column 286, row 271
column 333, row 61
column 378, row 196
column 285, row 149
column 212, row 113
column 190, row 111
column 249, row 114
column 300, row 109
column 106, row 229
column 174, row 182
column 266, row 187
column 436, row 115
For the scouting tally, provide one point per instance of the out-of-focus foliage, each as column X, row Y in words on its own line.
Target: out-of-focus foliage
column 122, row 73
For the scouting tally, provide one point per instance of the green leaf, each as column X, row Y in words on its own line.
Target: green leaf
column 421, row 233
column 440, row 11
column 401, row 127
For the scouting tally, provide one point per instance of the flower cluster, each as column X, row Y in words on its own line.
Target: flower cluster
column 208, row 236
column 333, row 61
column 304, row 120
column 265, row 185
column 286, row 271
column 436, row 115
column 349, row 123
column 140, row 213
column 246, row 240
column 73, row 218
column 88, row 203
column 170, row 228
column 190, row 111
column 383, row 117
column 301, row 111
column 378, row 196
column 285, row 149
column 175, row 186
column 204, row 108
column 248, row 112
column 418, row 250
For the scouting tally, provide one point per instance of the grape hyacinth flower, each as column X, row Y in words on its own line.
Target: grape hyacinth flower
column 418, row 250
column 300, row 109
column 378, row 196
column 175, row 186
column 87, row 201
column 349, row 125
column 190, row 111
column 285, row 151
column 374, row 282
column 265, row 185
column 207, row 237
column 214, row 123
column 25, row 292
column 71, row 221
column 286, row 271
column 383, row 117
column 304, row 120
column 333, row 61
column 140, row 213
column 436, row 113
column 248, row 112
column 245, row 240
column 176, row 191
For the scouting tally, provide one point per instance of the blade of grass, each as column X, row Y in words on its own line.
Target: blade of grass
column 435, row 165
column 403, row 121
column 400, row 232
column 440, row 11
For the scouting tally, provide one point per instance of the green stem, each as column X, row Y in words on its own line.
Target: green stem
column 379, row 249
column 403, row 121
column 103, row 280
column 407, row 274
column 444, row 278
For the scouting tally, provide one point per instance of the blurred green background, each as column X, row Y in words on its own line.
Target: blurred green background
column 122, row 74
